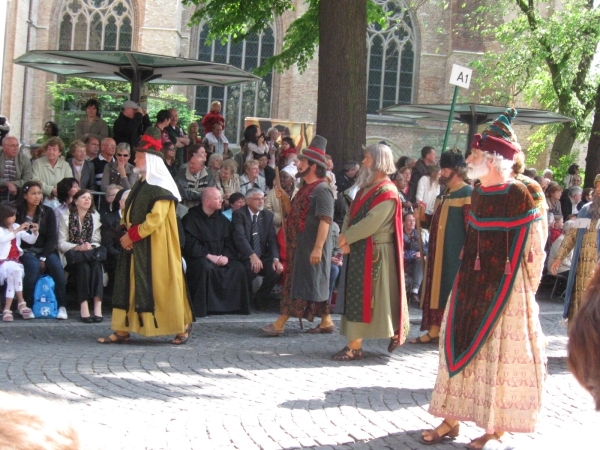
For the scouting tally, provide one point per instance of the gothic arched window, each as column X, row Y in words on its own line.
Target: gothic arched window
column 391, row 59
column 240, row 101
column 96, row 25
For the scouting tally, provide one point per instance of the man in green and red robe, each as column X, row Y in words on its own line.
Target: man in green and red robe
column 492, row 359
column 375, row 301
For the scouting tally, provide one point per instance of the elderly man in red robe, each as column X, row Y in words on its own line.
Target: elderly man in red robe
column 492, row 358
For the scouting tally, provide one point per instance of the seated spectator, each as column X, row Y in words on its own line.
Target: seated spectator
column 192, row 180
column 337, row 258
column 50, row 169
column 216, row 142
column 407, row 173
column 413, row 263
column 227, row 181
column 120, row 171
column 251, row 178
column 401, row 184
column 168, row 150
column 108, row 200
column 92, row 125
column 50, row 131
column 216, row 279
column 177, row 135
column 214, row 163
column 83, row 170
column 11, row 269
column 286, row 149
column 40, row 258
column 264, row 170
column 347, row 176
column 586, row 196
column 428, row 188
column 543, row 182
column 79, row 231
column 193, row 133
column 238, row 201
column 111, row 233
column 565, row 265
column 569, row 202
column 65, row 190
column 272, row 145
column 108, row 148
column 553, row 195
column 92, row 148
column 548, row 174
column 15, row 168
column 272, row 203
column 195, row 150
column 254, row 142
column 406, row 161
column 330, row 174
column 256, row 242
column 556, row 229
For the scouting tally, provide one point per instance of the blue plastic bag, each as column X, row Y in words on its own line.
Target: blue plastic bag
column 45, row 305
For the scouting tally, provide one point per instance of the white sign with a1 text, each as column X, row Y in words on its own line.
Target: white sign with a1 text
column 461, row 76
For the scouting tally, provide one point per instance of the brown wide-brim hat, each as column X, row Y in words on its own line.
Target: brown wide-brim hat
column 315, row 152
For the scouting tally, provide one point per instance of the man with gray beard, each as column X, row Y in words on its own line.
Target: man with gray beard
column 583, row 240
column 376, row 304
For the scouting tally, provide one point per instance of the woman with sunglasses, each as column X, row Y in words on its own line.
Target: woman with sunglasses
column 119, row 171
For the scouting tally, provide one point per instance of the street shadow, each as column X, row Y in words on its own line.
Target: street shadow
column 374, row 398
column 557, row 365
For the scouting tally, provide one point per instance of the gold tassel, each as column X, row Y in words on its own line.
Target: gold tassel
column 507, row 268
column 462, row 252
column 477, row 263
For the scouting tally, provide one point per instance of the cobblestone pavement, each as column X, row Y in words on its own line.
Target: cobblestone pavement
column 231, row 387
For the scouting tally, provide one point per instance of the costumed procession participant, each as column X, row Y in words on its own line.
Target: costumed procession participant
column 375, row 299
column 583, row 240
column 216, row 278
column 150, row 296
column 448, row 230
column 491, row 334
column 307, row 220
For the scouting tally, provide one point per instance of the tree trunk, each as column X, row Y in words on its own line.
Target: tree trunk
column 342, row 89
column 592, row 160
column 563, row 143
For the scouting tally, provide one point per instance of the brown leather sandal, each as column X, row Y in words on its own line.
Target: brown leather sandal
column 114, row 339
column 394, row 340
column 452, row 433
column 348, row 354
column 182, row 338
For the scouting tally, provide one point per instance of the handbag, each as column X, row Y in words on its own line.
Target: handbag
column 97, row 254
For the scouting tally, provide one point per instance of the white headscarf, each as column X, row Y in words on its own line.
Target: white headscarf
column 291, row 170
column 158, row 175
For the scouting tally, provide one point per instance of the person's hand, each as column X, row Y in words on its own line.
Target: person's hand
column 554, row 267
column 417, row 254
column 342, row 240
column 34, row 227
column 316, row 255
column 12, row 189
column 23, row 227
column 126, row 242
column 336, row 261
column 222, row 260
column 345, row 249
column 121, row 169
column 277, row 266
column 255, row 263
column 53, row 193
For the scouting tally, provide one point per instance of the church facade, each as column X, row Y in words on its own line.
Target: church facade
column 408, row 62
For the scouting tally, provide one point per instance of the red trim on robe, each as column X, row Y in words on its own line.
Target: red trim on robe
column 134, row 233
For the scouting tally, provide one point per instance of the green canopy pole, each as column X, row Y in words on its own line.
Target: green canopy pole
column 450, row 119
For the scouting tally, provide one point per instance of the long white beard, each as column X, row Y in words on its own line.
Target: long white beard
column 365, row 177
column 476, row 171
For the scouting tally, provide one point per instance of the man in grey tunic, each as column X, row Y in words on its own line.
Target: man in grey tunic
column 307, row 225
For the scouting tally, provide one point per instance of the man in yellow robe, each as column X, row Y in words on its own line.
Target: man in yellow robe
column 150, row 296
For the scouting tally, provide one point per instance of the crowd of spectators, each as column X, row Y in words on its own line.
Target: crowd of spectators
column 77, row 198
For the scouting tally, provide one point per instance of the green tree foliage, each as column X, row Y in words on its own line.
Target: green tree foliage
column 68, row 99
column 236, row 19
column 544, row 55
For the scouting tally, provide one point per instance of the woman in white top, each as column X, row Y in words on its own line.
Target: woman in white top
column 79, row 231
column 428, row 188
